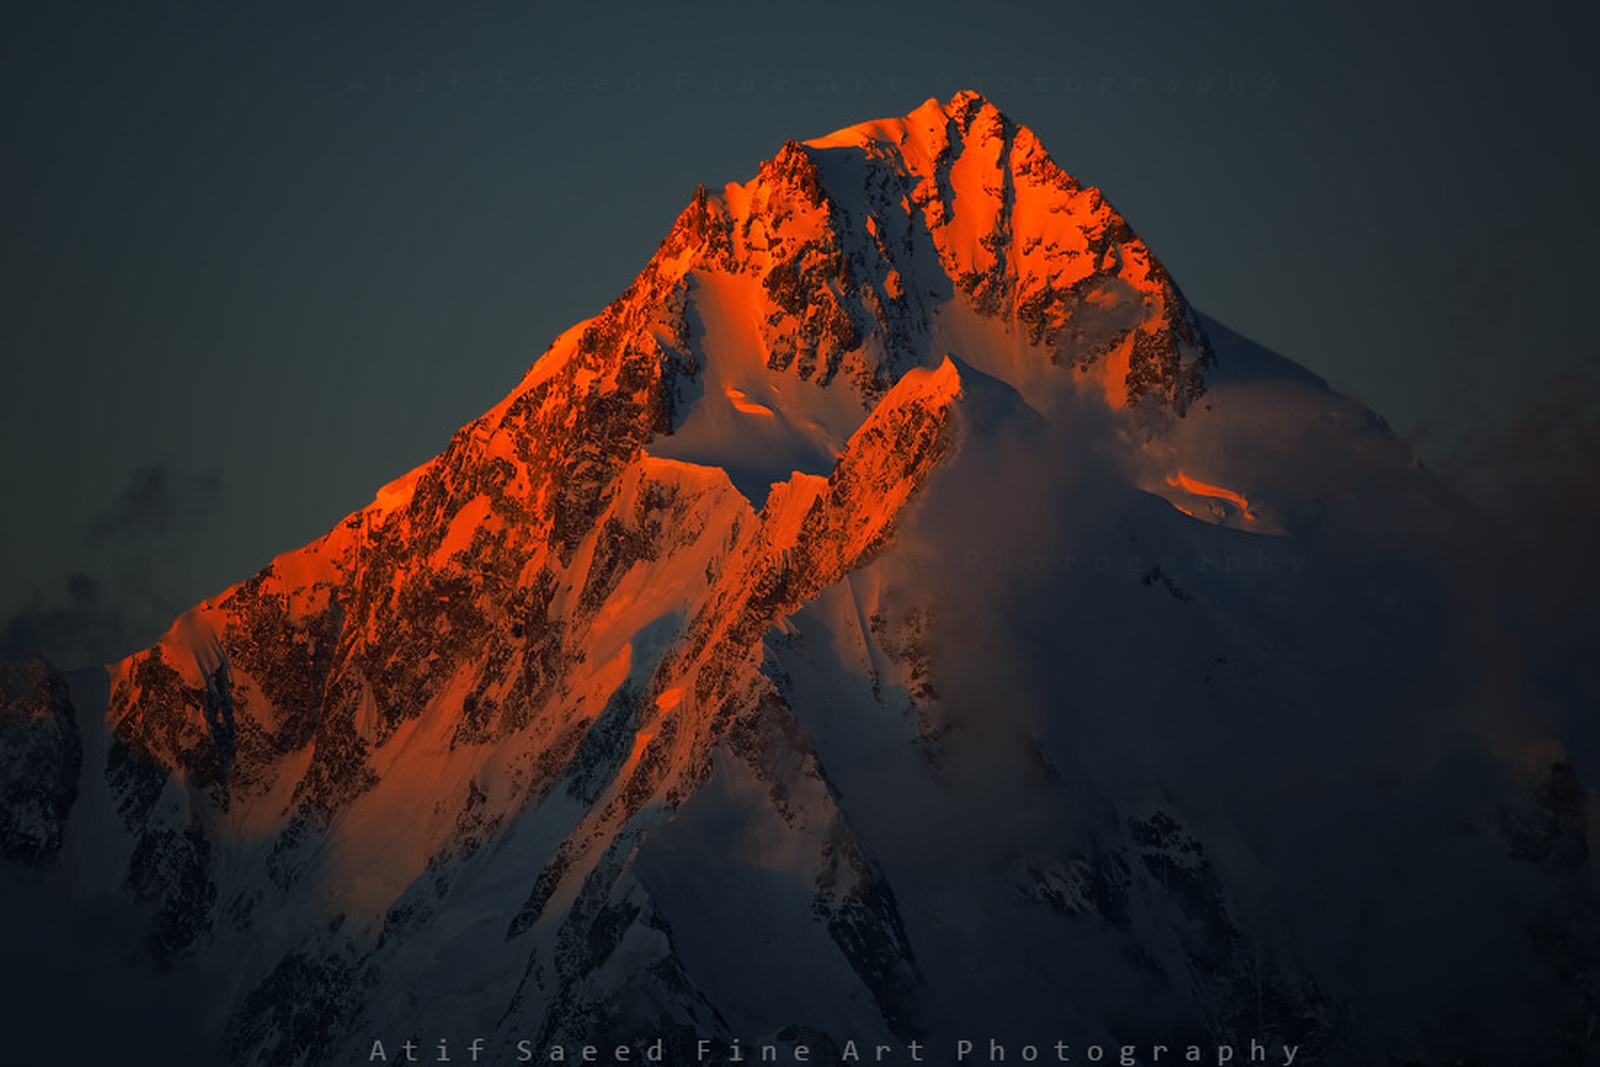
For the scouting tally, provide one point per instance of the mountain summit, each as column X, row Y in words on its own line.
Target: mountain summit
column 897, row 618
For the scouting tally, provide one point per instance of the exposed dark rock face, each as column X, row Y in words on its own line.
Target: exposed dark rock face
column 43, row 754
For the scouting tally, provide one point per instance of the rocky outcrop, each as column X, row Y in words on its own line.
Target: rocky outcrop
column 43, row 755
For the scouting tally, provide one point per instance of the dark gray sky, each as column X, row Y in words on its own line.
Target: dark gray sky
column 260, row 259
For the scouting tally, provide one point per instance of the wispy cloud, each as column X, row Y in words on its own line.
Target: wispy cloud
column 156, row 501
column 110, row 604
column 84, row 622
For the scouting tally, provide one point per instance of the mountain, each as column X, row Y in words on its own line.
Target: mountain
column 898, row 619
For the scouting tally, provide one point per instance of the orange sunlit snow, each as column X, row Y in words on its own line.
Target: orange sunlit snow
column 1199, row 488
column 742, row 403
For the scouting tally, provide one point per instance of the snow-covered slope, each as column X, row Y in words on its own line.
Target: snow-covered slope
column 898, row 617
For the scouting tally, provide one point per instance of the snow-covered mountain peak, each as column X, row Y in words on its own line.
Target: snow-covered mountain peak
column 855, row 631
column 783, row 308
